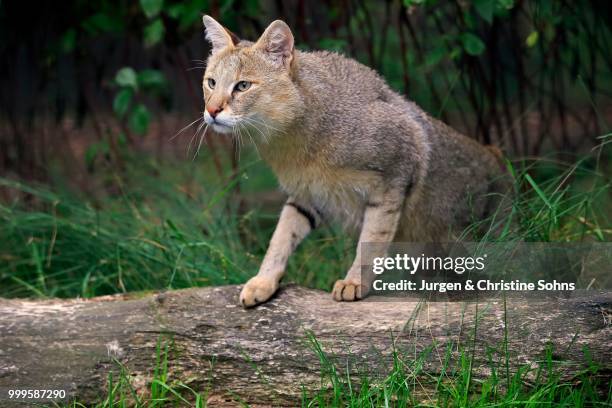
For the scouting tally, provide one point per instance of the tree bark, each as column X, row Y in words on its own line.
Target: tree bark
column 262, row 355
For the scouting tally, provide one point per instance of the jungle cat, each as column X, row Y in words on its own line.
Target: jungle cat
column 344, row 147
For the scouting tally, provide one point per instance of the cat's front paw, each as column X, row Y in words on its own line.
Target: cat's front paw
column 348, row 290
column 257, row 290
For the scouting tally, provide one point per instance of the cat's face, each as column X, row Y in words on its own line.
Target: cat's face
column 247, row 86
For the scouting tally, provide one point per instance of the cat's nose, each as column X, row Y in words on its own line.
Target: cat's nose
column 214, row 110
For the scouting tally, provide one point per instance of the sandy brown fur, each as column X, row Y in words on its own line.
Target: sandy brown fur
column 344, row 147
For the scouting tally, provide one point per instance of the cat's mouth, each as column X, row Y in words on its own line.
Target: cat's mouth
column 218, row 124
column 220, row 127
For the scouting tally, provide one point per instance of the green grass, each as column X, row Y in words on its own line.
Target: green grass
column 161, row 391
column 553, row 201
column 156, row 233
column 406, row 382
column 541, row 384
column 167, row 226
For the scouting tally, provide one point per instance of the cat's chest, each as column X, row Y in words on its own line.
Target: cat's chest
column 311, row 181
column 340, row 194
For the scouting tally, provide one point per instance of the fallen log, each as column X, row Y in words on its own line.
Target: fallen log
column 261, row 355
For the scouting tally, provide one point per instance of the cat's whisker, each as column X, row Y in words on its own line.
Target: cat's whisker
column 202, row 138
column 253, row 125
column 237, row 138
column 266, row 124
column 186, row 127
column 251, row 138
column 195, row 134
column 267, row 127
column 240, row 144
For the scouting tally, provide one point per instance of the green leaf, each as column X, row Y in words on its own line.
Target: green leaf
column 151, row 79
column 151, row 8
column 94, row 150
column 139, row 119
column 252, row 8
column 456, row 52
column 102, row 22
column 122, row 101
column 410, row 3
column 505, row 4
column 90, row 154
column 502, row 8
column 333, row 44
column 187, row 13
column 470, row 20
column 154, row 32
column 532, row 39
column 485, row 8
column 434, row 56
column 472, row 44
column 68, row 41
column 126, row 77
column 175, row 11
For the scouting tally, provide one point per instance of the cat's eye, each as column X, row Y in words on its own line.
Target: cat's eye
column 242, row 86
column 211, row 83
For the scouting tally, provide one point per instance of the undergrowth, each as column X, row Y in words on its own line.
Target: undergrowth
column 177, row 229
column 406, row 383
column 170, row 227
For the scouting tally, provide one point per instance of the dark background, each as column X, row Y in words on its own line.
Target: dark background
column 530, row 76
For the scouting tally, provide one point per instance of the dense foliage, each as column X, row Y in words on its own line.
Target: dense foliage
column 527, row 75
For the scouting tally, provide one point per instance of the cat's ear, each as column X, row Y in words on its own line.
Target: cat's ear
column 219, row 36
column 277, row 43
